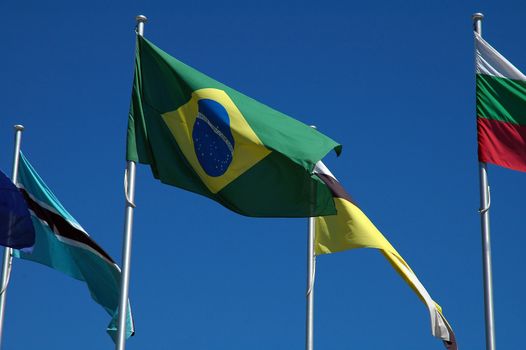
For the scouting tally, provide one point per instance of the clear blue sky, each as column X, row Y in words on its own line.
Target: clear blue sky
column 392, row 81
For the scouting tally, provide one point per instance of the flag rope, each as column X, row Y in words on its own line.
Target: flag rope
column 130, row 203
column 488, row 204
column 311, row 286
column 8, row 273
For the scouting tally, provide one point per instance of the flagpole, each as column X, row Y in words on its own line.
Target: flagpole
column 311, row 271
column 127, row 241
column 8, row 257
column 311, row 266
column 486, row 243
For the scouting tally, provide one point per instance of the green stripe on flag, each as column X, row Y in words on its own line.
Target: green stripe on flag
column 501, row 99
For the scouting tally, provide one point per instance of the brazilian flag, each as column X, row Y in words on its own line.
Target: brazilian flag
column 204, row 137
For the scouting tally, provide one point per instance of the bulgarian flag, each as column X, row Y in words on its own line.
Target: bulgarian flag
column 351, row 229
column 501, row 109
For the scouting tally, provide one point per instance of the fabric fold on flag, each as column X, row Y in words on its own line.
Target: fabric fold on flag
column 501, row 106
column 62, row 244
column 16, row 229
column 351, row 229
column 202, row 136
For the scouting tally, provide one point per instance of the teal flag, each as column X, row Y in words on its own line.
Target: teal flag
column 62, row 244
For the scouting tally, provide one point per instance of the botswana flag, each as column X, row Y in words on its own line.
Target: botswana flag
column 16, row 229
column 62, row 244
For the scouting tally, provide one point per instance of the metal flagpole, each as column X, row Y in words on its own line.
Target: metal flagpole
column 485, row 202
column 311, row 268
column 311, row 271
column 8, row 258
column 127, row 242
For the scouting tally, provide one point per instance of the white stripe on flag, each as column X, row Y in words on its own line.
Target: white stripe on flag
column 72, row 242
column 490, row 62
column 438, row 326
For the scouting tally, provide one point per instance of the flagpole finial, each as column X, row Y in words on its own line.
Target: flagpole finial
column 141, row 19
column 477, row 16
column 19, row 127
column 139, row 29
column 477, row 22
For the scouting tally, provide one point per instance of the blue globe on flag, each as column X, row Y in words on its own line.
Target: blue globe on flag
column 213, row 140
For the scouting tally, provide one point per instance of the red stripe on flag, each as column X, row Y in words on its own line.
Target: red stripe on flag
column 502, row 143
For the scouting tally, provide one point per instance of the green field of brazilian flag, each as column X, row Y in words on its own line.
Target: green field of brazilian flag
column 202, row 136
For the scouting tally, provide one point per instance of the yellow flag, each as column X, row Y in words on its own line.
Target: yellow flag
column 351, row 228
